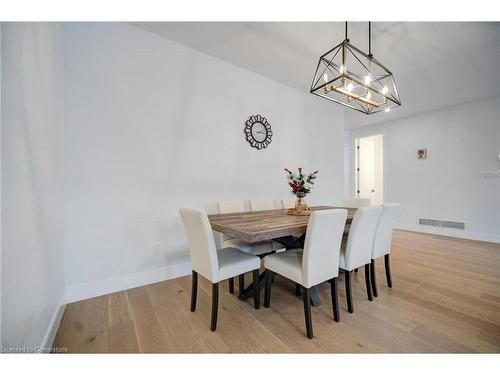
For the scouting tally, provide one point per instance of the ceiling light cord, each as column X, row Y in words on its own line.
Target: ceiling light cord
column 370, row 39
column 346, row 30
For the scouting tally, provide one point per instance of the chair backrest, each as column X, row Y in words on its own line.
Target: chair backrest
column 229, row 207
column 261, row 204
column 361, row 234
column 288, row 203
column 201, row 243
column 357, row 202
column 383, row 234
column 320, row 261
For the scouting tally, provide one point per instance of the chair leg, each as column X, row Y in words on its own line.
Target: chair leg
column 194, row 290
column 373, row 278
column 335, row 299
column 368, row 283
column 298, row 287
column 348, row 293
column 267, row 294
column 215, row 306
column 256, row 293
column 231, row 285
column 241, row 283
column 387, row 270
column 307, row 311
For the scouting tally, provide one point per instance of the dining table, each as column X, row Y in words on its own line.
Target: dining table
column 277, row 225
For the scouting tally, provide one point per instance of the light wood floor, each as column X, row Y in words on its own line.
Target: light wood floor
column 445, row 298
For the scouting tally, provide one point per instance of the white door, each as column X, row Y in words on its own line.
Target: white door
column 366, row 178
column 369, row 169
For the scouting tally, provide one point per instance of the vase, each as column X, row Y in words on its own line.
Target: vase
column 301, row 207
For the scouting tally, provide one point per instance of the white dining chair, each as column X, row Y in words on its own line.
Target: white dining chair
column 229, row 207
column 382, row 243
column 316, row 263
column 214, row 265
column 287, row 203
column 257, row 248
column 356, row 251
column 356, row 202
column 261, row 204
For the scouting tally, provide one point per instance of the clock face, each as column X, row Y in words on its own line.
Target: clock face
column 258, row 132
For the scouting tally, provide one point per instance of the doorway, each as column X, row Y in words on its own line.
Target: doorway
column 369, row 168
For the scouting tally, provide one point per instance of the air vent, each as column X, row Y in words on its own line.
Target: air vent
column 442, row 223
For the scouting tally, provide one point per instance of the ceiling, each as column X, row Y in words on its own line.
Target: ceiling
column 435, row 64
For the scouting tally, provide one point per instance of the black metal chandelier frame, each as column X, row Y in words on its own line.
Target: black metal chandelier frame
column 372, row 78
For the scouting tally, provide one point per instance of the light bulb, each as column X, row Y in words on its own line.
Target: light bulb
column 325, row 77
column 368, row 79
column 384, row 90
column 342, row 69
column 369, row 95
column 350, row 87
column 387, row 110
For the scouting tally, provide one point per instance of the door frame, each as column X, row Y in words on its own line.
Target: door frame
column 355, row 135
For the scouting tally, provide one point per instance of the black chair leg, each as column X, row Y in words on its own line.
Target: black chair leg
column 298, row 287
column 348, row 292
column 267, row 294
column 335, row 299
column 215, row 306
column 368, row 283
column 373, row 278
column 388, row 270
column 241, row 283
column 256, row 293
column 231, row 285
column 307, row 311
column 194, row 290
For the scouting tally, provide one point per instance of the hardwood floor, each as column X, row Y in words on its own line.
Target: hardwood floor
column 445, row 298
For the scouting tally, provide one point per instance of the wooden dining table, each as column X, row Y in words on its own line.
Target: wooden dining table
column 266, row 225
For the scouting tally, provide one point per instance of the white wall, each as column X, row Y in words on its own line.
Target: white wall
column 152, row 126
column 461, row 141
column 31, row 154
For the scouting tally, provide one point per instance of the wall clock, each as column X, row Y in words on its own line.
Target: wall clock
column 258, row 132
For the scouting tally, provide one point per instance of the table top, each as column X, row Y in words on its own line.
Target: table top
column 266, row 225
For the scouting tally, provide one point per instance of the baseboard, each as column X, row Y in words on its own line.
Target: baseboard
column 486, row 237
column 48, row 338
column 97, row 288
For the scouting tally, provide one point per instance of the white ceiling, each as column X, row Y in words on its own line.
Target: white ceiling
column 435, row 64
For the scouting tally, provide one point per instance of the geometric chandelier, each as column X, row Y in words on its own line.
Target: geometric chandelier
column 350, row 77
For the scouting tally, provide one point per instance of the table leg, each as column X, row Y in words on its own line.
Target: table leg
column 290, row 243
column 249, row 290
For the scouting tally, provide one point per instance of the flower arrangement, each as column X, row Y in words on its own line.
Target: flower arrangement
column 301, row 185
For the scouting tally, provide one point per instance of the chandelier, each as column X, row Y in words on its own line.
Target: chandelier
column 350, row 77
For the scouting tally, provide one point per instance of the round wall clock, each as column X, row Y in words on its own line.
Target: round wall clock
column 258, row 132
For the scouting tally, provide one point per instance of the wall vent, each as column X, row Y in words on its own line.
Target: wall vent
column 442, row 223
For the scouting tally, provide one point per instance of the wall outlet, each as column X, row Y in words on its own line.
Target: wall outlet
column 155, row 248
